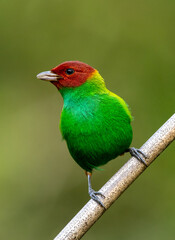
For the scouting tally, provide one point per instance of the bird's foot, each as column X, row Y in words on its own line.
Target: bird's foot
column 93, row 194
column 137, row 154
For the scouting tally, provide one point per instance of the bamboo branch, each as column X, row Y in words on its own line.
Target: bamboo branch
column 92, row 211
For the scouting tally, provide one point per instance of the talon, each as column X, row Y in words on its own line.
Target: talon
column 143, row 154
column 136, row 153
column 94, row 194
column 100, row 194
column 97, row 193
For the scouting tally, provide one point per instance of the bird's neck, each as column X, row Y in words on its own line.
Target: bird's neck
column 93, row 86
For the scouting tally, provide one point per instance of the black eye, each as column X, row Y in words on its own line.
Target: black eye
column 69, row 71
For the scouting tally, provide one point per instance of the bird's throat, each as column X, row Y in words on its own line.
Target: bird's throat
column 93, row 86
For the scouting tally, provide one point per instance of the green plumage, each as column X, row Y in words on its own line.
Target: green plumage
column 95, row 123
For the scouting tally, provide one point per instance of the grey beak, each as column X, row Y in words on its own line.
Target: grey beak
column 48, row 76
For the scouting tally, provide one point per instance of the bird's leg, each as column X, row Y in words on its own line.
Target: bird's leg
column 93, row 194
column 137, row 154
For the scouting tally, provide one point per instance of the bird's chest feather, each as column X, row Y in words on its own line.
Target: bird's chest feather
column 79, row 119
column 96, row 118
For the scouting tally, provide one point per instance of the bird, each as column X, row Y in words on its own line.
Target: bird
column 95, row 122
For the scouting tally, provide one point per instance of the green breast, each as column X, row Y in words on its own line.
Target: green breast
column 96, row 127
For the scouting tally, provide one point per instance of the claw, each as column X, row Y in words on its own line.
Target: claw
column 139, row 151
column 93, row 194
column 100, row 194
column 137, row 154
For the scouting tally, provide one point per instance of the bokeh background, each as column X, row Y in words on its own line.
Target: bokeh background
column 132, row 44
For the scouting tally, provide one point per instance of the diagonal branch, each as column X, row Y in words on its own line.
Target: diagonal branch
column 91, row 212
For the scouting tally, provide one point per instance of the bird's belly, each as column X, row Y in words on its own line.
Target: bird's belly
column 92, row 144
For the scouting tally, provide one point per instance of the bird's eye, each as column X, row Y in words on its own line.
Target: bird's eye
column 69, row 71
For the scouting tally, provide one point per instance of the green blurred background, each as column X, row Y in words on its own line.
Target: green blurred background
column 132, row 44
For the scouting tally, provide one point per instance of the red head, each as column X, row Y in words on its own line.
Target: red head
column 68, row 74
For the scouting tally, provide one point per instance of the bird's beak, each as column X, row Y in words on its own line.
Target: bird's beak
column 48, row 76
